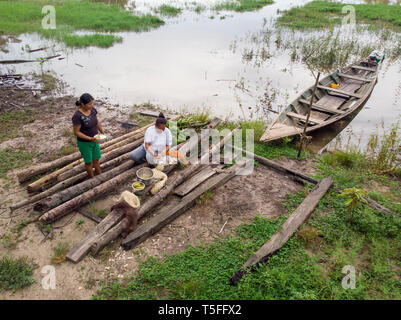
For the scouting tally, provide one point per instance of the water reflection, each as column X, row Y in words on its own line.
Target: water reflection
column 238, row 67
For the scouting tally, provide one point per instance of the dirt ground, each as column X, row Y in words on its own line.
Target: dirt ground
column 229, row 206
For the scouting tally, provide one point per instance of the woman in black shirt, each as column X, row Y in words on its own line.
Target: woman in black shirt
column 86, row 127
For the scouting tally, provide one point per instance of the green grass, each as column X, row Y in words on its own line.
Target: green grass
column 60, row 253
column 11, row 123
column 243, row 5
column 18, row 17
column 324, row 14
column 11, row 158
column 15, row 273
column 310, row 263
column 169, row 11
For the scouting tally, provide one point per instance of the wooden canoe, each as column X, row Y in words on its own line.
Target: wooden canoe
column 356, row 83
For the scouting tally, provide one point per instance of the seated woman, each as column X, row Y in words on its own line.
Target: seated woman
column 86, row 127
column 157, row 143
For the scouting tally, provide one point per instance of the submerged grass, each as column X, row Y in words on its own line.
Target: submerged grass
column 18, row 17
column 169, row 11
column 243, row 5
column 11, row 158
column 325, row 14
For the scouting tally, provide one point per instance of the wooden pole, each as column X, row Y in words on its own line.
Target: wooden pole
column 303, row 136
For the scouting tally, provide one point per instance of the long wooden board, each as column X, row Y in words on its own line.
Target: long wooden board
column 348, row 93
column 363, row 68
column 344, row 75
column 320, row 108
column 303, row 118
column 197, row 179
column 294, row 221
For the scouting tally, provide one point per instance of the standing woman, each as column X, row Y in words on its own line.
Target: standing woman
column 86, row 127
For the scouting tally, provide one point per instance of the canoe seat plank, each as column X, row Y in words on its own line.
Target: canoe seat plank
column 344, row 75
column 302, row 117
column 363, row 68
column 352, row 94
column 320, row 108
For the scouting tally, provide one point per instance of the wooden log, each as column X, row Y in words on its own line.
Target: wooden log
column 299, row 175
column 68, row 182
column 294, row 221
column 27, row 174
column 175, row 208
column 24, row 61
column 84, row 198
column 83, row 247
column 75, row 168
column 58, row 198
column 106, row 157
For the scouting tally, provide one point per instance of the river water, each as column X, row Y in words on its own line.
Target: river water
column 196, row 62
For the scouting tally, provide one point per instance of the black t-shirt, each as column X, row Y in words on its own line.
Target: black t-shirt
column 88, row 123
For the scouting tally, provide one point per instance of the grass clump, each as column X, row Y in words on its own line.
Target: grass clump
column 60, row 253
column 324, row 14
column 12, row 121
column 12, row 159
column 169, row 11
column 243, row 5
column 15, row 273
column 18, row 17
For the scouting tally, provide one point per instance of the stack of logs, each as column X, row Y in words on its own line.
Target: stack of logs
column 63, row 187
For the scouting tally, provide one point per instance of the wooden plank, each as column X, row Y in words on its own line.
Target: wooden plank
column 196, row 180
column 177, row 207
column 302, row 117
column 363, row 68
column 351, row 94
column 89, row 215
column 344, row 75
column 294, row 221
column 321, row 108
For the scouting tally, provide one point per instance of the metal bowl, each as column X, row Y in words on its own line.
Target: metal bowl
column 145, row 175
column 100, row 138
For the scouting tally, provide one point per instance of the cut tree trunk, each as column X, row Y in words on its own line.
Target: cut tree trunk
column 77, row 202
column 295, row 220
column 68, row 182
column 170, row 212
column 56, row 199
